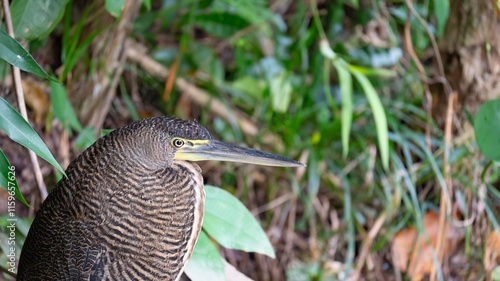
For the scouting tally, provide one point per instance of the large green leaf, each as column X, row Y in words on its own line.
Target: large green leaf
column 223, row 25
column 487, row 129
column 15, row 54
column 229, row 222
column 21, row 132
column 8, row 179
column 233, row 274
column 34, row 19
column 206, row 263
column 63, row 110
column 378, row 115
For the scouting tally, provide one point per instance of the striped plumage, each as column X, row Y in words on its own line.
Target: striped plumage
column 126, row 211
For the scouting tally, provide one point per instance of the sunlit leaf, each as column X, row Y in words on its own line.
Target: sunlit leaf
column 21, row 132
column 8, row 179
column 15, row 54
column 373, row 71
column 487, row 129
column 250, row 86
column 115, row 7
column 345, row 81
column 281, row 92
column 378, row 115
column 206, row 263
column 34, row 19
column 233, row 274
column 229, row 222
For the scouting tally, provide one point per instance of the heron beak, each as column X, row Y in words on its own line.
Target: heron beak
column 200, row 150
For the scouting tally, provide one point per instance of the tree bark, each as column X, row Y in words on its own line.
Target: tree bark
column 470, row 49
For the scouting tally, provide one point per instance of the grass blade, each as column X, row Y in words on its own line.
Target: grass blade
column 378, row 114
column 345, row 81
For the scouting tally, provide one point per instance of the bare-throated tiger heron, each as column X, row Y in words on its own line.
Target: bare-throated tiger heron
column 131, row 207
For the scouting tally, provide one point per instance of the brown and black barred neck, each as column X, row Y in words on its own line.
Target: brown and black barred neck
column 126, row 211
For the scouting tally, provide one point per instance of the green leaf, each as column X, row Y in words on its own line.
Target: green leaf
column 345, row 81
column 442, row 11
column 378, row 115
column 229, row 222
column 250, row 86
column 128, row 101
column 34, row 19
column 281, row 92
column 147, row 4
column 21, row 132
column 222, row 25
column 63, row 110
column 495, row 273
column 487, row 129
column 206, row 263
column 373, row 71
column 106, row 131
column 115, row 7
column 75, row 55
column 15, row 54
column 86, row 138
column 8, row 179
column 4, row 69
column 206, row 59
column 231, row 273
column 254, row 11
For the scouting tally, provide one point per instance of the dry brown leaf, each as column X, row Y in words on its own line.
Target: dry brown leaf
column 37, row 99
column 495, row 4
column 492, row 252
column 421, row 261
column 171, row 79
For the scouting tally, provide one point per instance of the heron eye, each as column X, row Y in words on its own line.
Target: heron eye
column 178, row 143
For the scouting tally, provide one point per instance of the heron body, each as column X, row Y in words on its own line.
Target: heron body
column 131, row 207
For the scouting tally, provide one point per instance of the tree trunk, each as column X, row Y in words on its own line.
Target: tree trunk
column 470, row 49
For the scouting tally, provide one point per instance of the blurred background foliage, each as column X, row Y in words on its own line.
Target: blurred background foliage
column 377, row 97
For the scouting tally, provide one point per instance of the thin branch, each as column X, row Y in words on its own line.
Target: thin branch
column 444, row 211
column 137, row 54
column 431, row 36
